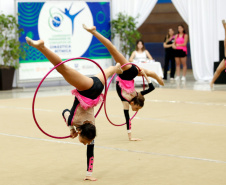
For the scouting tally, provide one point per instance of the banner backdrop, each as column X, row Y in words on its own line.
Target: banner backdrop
column 59, row 24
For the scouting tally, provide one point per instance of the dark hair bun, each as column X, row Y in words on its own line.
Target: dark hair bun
column 88, row 131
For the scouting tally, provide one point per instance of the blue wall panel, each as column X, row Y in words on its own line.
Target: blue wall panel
column 164, row 1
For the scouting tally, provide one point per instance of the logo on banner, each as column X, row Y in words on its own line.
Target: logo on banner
column 60, row 25
column 56, row 18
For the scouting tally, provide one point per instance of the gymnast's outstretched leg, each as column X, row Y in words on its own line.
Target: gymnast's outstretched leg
column 222, row 65
column 73, row 77
column 153, row 75
column 119, row 58
column 109, row 72
column 217, row 73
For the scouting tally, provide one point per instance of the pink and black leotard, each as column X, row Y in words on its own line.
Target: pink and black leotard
column 125, row 84
column 87, row 99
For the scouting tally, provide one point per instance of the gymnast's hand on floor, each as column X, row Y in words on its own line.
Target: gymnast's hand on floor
column 90, row 178
column 73, row 133
column 135, row 139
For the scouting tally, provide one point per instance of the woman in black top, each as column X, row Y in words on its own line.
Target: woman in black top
column 169, row 54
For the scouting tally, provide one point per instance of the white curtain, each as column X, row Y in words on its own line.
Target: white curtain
column 221, row 14
column 182, row 8
column 133, row 8
column 7, row 7
column 201, row 17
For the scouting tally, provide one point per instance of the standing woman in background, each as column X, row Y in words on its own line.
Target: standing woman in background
column 140, row 54
column 180, row 46
column 169, row 54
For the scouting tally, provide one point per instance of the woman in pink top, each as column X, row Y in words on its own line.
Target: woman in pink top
column 180, row 46
column 222, row 65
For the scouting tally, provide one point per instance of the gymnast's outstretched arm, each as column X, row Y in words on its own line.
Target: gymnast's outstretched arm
column 90, row 160
column 150, row 85
column 128, row 122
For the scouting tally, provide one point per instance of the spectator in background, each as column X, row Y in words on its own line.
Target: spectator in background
column 140, row 54
column 180, row 46
column 169, row 54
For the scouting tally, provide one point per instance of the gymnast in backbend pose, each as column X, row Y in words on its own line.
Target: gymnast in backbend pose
column 222, row 65
column 80, row 119
column 125, row 83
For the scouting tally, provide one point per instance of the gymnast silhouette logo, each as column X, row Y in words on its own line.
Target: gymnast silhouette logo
column 71, row 16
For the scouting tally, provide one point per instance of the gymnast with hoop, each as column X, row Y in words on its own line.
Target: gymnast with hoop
column 125, row 84
column 80, row 119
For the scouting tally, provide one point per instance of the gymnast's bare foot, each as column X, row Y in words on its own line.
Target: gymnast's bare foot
column 160, row 81
column 91, row 30
column 211, row 85
column 118, row 69
column 224, row 24
column 35, row 43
